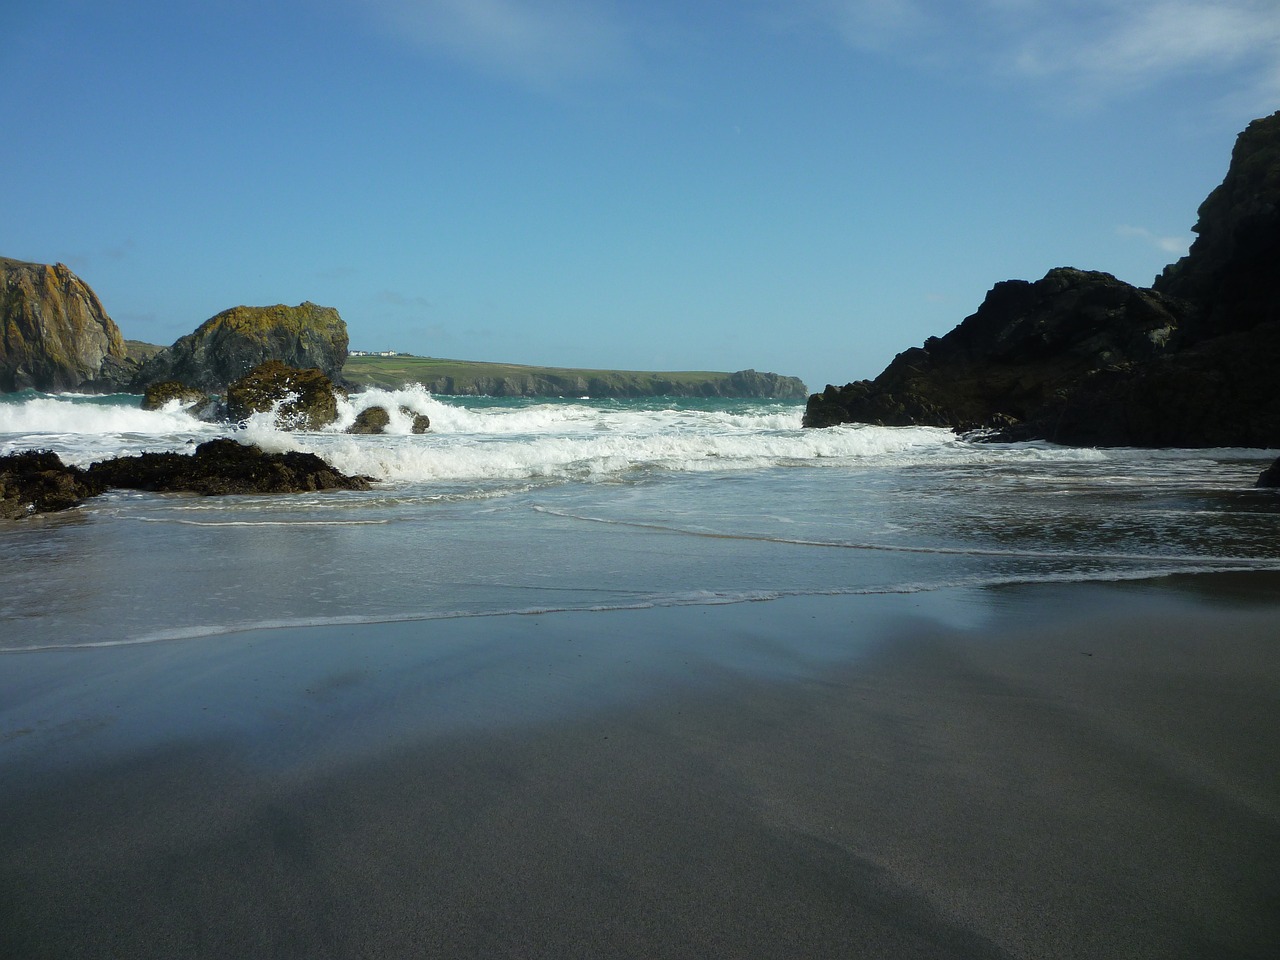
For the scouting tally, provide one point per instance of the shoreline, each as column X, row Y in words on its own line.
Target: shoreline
column 1066, row 770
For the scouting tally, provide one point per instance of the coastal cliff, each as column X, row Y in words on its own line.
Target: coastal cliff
column 476, row 378
column 227, row 346
column 54, row 333
column 1080, row 357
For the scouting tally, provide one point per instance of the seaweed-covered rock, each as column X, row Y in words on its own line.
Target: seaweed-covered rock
column 301, row 399
column 227, row 346
column 37, row 481
column 221, row 467
column 54, row 333
column 159, row 394
column 370, row 420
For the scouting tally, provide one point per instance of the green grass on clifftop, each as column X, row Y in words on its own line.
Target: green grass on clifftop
column 475, row 378
column 397, row 371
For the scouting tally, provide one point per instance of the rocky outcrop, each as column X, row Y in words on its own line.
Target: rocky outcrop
column 221, row 467
column 54, row 333
column 375, row 420
column 167, row 391
column 372, row 420
column 300, row 399
column 229, row 345
column 37, row 481
column 1083, row 358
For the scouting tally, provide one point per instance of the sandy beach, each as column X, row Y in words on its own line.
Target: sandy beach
column 1039, row 771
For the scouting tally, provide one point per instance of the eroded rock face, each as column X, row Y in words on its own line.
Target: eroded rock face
column 221, row 467
column 301, row 399
column 37, row 481
column 1082, row 358
column 228, row 346
column 54, row 333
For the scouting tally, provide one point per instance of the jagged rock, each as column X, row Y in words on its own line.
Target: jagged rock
column 1025, row 346
column 158, row 394
column 37, row 481
column 301, row 399
column 226, row 347
column 1082, row 358
column 371, row 420
column 1270, row 477
column 54, row 333
column 421, row 422
column 221, row 467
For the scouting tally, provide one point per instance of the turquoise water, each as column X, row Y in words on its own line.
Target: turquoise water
column 531, row 505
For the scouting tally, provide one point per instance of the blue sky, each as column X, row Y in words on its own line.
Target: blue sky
column 806, row 187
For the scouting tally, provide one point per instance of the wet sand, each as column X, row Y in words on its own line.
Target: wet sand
column 1051, row 771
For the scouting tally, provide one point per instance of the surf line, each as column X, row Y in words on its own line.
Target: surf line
column 1250, row 563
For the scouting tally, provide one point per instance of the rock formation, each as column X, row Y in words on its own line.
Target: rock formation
column 1083, row 358
column 375, row 420
column 221, row 467
column 54, row 333
column 37, row 481
column 229, row 345
column 301, row 399
column 158, row 394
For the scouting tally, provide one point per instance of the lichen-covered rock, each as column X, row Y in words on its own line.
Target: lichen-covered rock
column 166, row 391
column 221, row 467
column 301, row 399
column 54, row 333
column 370, row 420
column 226, row 347
column 37, row 481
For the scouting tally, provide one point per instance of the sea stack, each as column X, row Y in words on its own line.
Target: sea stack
column 54, row 333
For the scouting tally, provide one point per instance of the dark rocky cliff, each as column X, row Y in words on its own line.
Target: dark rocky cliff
column 54, row 333
column 229, row 345
column 1083, row 358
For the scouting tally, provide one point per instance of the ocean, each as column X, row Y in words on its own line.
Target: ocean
column 533, row 505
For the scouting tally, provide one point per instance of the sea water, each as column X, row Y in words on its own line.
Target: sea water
column 535, row 505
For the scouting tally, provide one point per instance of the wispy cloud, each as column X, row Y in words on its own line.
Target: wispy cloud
column 1087, row 50
column 396, row 299
column 1178, row 245
column 542, row 42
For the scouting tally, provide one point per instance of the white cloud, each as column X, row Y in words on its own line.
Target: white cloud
column 1176, row 245
column 1088, row 50
column 543, row 42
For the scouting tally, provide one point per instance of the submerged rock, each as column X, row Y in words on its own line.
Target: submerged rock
column 37, row 481
column 227, row 346
column 54, row 333
column 221, row 467
column 301, row 399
